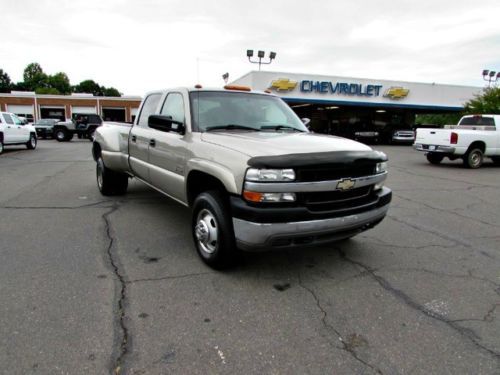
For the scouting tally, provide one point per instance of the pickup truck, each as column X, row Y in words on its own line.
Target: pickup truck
column 474, row 138
column 14, row 132
column 252, row 174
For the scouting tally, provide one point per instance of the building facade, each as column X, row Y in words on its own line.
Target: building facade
column 345, row 105
column 35, row 107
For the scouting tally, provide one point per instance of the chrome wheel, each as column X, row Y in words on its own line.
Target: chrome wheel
column 475, row 159
column 60, row 135
column 1, row 147
column 33, row 141
column 206, row 231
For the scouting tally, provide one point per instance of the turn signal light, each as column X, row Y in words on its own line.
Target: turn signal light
column 237, row 88
column 454, row 138
column 252, row 196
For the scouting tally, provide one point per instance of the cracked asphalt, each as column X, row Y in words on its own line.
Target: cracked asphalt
column 97, row 285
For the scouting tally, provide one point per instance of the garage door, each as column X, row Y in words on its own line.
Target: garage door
column 20, row 109
column 83, row 109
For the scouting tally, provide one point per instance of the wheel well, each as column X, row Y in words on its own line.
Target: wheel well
column 96, row 150
column 198, row 182
column 478, row 144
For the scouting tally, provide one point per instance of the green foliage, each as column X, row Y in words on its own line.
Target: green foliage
column 5, row 82
column 111, row 91
column 438, row 119
column 89, row 86
column 486, row 103
column 36, row 80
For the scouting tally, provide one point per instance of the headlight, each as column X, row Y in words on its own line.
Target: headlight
column 381, row 167
column 270, row 175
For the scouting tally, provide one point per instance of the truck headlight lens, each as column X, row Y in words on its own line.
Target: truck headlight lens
column 270, row 175
column 253, row 196
column 381, row 167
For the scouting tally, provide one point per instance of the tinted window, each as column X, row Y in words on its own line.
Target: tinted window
column 17, row 120
column 174, row 107
column 148, row 108
column 7, row 118
column 478, row 121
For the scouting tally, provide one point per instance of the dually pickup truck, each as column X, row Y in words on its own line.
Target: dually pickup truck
column 474, row 138
column 253, row 175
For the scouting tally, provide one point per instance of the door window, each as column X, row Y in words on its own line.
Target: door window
column 148, row 108
column 174, row 107
column 8, row 118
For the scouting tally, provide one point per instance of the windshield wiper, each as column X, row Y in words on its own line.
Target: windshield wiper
column 231, row 127
column 280, row 127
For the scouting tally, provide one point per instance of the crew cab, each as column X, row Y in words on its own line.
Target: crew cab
column 252, row 174
column 474, row 138
column 14, row 132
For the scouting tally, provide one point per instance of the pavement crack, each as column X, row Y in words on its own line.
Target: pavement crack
column 345, row 347
column 56, row 207
column 174, row 277
column 405, row 298
column 117, row 363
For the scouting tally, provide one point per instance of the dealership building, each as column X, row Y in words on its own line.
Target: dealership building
column 33, row 106
column 343, row 105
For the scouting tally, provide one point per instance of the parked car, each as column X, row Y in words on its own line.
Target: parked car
column 252, row 174
column 45, row 127
column 14, row 132
column 403, row 136
column 83, row 125
column 474, row 138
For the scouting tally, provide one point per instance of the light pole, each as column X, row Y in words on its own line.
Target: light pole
column 260, row 55
column 490, row 76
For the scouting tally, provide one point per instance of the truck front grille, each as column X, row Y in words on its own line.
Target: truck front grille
column 337, row 200
column 333, row 173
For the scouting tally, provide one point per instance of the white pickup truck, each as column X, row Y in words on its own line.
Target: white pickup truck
column 474, row 138
column 14, row 132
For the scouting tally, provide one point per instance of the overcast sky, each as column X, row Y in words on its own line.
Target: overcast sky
column 138, row 46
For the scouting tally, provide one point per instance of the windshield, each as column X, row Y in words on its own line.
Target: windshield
column 213, row 110
column 46, row 122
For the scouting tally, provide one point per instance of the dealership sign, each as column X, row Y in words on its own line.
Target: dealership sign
column 340, row 88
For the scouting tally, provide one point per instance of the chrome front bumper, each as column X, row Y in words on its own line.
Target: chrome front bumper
column 252, row 236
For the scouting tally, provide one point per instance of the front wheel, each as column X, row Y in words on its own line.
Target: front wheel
column 110, row 182
column 61, row 135
column 31, row 144
column 212, row 230
column 434, row 158
column 474, row 158
column 1, row 146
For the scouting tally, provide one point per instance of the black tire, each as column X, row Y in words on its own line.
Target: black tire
column 1, row 146
column 212, row 230
column 474, row 158
column 61, row 135
column 110, row 182
column 31, row 144
column 79, row 135
column 496, row 160
column 434, row 158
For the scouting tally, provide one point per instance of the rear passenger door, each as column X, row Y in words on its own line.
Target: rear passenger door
column 167, row 153
column 140, row 137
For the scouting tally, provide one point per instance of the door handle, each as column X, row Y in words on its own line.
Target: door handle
column 152, row 142
column 134, row 138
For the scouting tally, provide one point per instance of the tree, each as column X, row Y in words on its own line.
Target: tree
column 89, row 86
column 60, row 82
column 5, row 82
column 487, row 102
column 439, row 119
column 34, row 77
column 111, row 91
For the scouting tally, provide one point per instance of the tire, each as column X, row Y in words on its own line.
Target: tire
column 212, row 230
column 474, row 158
column 31, row 144
column 1, row 146
column 434, row 158
column 496, row 160
column 110, row 182
column 61, row 135
column 79, row 135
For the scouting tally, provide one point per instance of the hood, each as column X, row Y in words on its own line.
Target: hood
column 281, row 143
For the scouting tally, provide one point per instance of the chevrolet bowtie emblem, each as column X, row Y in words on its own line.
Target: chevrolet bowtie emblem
column 283, row 84
column 345, row 184
column 396, row 93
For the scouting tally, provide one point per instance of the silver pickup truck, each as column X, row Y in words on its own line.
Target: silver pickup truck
column 253, row 175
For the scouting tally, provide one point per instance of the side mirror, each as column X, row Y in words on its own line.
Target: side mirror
column 165, row 124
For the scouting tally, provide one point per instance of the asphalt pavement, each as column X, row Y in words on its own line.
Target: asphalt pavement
column 98, row 285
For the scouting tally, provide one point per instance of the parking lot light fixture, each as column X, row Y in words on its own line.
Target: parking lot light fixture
column 260, row 55
column 490, row 76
